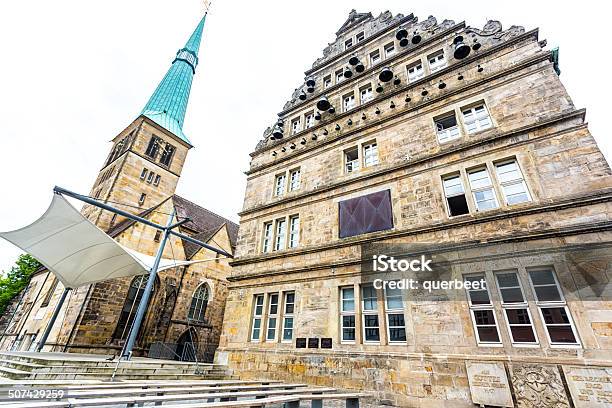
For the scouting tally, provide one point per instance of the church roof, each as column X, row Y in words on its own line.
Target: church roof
column 168, row 104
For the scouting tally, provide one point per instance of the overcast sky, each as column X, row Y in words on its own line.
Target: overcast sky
column 74, row 73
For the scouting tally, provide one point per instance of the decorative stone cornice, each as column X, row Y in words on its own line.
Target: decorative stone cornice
column 598, row 197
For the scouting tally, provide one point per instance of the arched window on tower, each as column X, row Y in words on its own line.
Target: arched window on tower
column 130, row 306
column 199, row 302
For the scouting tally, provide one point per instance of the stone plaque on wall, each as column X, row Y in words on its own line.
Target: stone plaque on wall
column 589, row 386
column 538, row 386
column 488, row 383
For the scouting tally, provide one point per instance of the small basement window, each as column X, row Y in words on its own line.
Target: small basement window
column 455, row 196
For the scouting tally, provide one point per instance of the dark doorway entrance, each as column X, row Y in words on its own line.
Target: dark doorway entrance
column 186, row 347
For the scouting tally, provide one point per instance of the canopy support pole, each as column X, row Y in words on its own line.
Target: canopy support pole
column 58, row 307
column 144, row 300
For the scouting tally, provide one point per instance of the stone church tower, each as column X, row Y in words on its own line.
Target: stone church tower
column 428, row 138
column 140, row 175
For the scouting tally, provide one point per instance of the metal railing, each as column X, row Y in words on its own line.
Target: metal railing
column 189, row 351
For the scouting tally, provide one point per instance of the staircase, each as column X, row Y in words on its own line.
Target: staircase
column 22, row 366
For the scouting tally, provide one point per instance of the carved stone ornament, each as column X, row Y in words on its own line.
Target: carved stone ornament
column 538, row 386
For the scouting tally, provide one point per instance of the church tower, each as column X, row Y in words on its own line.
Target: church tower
column 147, row 157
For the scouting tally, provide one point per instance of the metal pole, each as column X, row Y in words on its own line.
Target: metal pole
column 144, row 301
column 43, row 340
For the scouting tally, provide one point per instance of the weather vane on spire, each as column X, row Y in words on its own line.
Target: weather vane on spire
column 206, row 5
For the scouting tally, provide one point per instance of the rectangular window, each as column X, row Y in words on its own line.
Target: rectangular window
column 157, row 236
column 366, row 94
column 446, row 128
column 348, row 102
column 389, row 50
column 455, row 195
column 272, row 317
column 520, row 324
column 436, row 61
column 512, row 182
column 281, row 230
column 371, row 327
column 368, row 213
column 294, row 231
column 396, row 324
column 279, row 184
column 143, row 175
column 476, row 118
column 309, row 120
column 415, row 71
column 348, row 43
column 351, row 159
column 370, row 154
column 482, row 189
column 360, row 37
column 483, row 316
column 347, row 314
column 374, row 57
column 157, row 180
column 339, row 76
column 142, row 199
column 167, row 155
column 150, row 177
column 257, row 316
column 267, row 237
column 49, row 293
column 289, row 309
column 294, row 180
column 327, row 82
column 295, row 126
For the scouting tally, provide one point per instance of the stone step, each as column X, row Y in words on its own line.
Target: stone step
column 122, row 376
column 13, row 373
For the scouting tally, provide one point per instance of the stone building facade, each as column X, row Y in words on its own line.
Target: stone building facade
column 140, row 175
column 439, row 138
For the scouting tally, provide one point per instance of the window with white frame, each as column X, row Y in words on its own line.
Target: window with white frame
column 288, row 311
column 310, row 121
column 157, row 180
column 553, row 309
column 294, row 179
column 327, row 82
column 339, row 76
column 476, row 118
column 348, row 43
column 415, row 71
column 394, row 310
column 348, row 102
column 351, row 159
column 143, row 175
column 482, row 189
column 347, row 314
column 374, row 57
column 281, row 232
column 360, row 37
column 267, row 237
column 436, row 61
column 455, row 195
column 272, row 317
column 294, row 231
column 512, row 183
column 296, row 126
column 280, row 184
column 370, row 154
column 371, row 326
column 389, row 50
column 515, row 308
column 365, row 94
column 447, row 128
column 482, row 312
column 257, row 316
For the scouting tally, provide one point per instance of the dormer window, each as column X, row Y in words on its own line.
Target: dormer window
column 348, row 43
column 360, row 37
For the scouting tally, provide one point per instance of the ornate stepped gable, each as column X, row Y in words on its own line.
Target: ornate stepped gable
column 490, row 35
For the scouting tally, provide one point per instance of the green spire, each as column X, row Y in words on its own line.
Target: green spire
column 168, row 103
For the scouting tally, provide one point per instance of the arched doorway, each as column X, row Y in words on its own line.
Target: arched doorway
column 186, row 347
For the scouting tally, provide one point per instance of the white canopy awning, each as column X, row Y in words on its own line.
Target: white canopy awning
column 77, row 251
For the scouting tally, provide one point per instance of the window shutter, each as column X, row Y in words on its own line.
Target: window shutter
column 365, row 214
